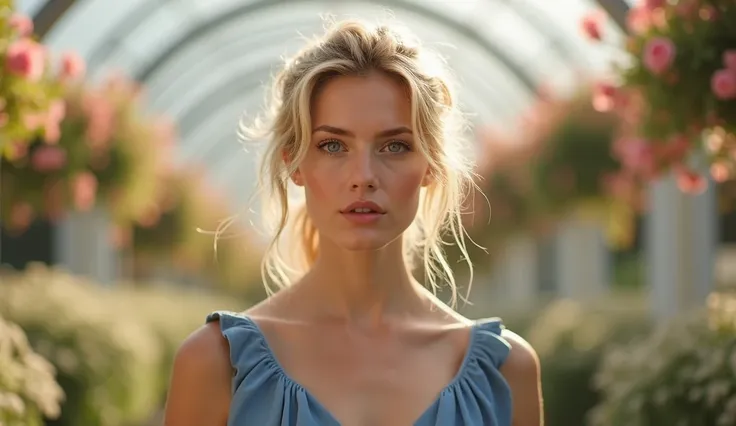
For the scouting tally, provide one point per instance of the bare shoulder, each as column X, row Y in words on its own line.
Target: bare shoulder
column 523, row 358
column 199, row 392
column 522, row 372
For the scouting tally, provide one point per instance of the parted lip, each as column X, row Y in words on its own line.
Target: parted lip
column 363, row 205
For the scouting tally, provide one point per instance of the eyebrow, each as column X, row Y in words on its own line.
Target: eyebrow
column 338, row 131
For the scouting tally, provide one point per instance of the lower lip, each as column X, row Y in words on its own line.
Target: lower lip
column 363, row 218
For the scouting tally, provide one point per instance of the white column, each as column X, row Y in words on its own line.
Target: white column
column 516, row 272
column 582, row 260
column 681, row 242
column 83, row 246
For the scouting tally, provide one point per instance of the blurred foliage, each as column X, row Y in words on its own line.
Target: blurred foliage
column 169, row 236
column 681, row 374
column 30, row 91
column 680, row 99
column 558, row 164
column 571, row 338
column 112, row 346
column 675, row 92
column 28, row 390
column 109, row 153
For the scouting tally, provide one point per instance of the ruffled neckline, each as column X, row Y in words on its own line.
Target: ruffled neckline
column 480, row 331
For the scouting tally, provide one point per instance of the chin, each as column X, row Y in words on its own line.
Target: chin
column 366, row 240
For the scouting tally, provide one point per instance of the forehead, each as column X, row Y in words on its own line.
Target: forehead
column 372, row 102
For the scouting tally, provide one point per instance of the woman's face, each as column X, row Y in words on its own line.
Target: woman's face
column 362, row 173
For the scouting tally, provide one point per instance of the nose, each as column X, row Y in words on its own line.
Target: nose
column 363, row 173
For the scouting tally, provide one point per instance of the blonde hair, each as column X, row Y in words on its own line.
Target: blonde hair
column 356, row 48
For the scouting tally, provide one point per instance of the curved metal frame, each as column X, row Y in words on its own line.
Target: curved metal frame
column 146, row 9
column 49, row 15
column 225, row 17
column 52, row 11
column 246, row 44
column 237, row 84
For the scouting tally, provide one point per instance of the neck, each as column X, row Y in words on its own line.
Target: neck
column 364, row 286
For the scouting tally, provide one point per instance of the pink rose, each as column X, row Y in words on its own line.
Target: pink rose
column 636, row 155
column 72, row 66
column 100, row 114
column 729, row 59
column 52, row 121
column 604, row 97
column 659, row 54
column 33, row 120
column 723, row 84
column 639, row 20
column 84, row 191
column 658, row 18
column 720, row 172
column 22, row 24
column 689, row 181
column 26, row 58
column 592, row 25
column 708, row 13
column 47, row 159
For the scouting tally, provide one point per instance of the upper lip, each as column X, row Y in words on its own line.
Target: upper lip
column 363, row 205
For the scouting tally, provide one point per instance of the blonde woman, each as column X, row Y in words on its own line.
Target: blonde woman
column 365, row 124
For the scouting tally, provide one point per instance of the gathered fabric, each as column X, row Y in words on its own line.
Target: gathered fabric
column 264, row 395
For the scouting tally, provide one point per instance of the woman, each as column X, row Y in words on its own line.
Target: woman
column 367, row 126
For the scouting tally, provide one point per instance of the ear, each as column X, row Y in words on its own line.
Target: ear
column 296, row 177
column 428, row 179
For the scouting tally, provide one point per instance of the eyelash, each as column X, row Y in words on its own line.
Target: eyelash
column 329, row 141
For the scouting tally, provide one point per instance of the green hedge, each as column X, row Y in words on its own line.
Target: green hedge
column 112, row 346
column 682, row 374
column 28, row 390
column 571, row 339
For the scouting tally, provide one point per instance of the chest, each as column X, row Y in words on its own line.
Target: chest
column 386, row 379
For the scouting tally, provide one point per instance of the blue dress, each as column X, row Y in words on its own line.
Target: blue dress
column 264, row 395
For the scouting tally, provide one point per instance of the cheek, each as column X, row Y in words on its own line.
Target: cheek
column 319, row 183
column 408, row 185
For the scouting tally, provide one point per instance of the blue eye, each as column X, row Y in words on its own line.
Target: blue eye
column 331, row 147
column 397, row 147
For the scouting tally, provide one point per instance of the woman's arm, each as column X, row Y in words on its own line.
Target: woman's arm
column 522, row 372
column 199, row 394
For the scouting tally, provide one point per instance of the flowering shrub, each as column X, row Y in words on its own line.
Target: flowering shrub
column 559, row 162
column 684, row 374
column 28, row 391
column 185, row 203
column 107, row 153
column 169, row 234
column 571, row 339
column 30, row 90
column 112, row 347
column 677, row 95
column 105, row 364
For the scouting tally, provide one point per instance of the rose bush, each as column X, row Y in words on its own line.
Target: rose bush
column 108, row 153
column 31, row 87
column 28, row 389
column 676, row 94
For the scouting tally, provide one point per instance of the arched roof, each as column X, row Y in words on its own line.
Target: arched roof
column 206, row 61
